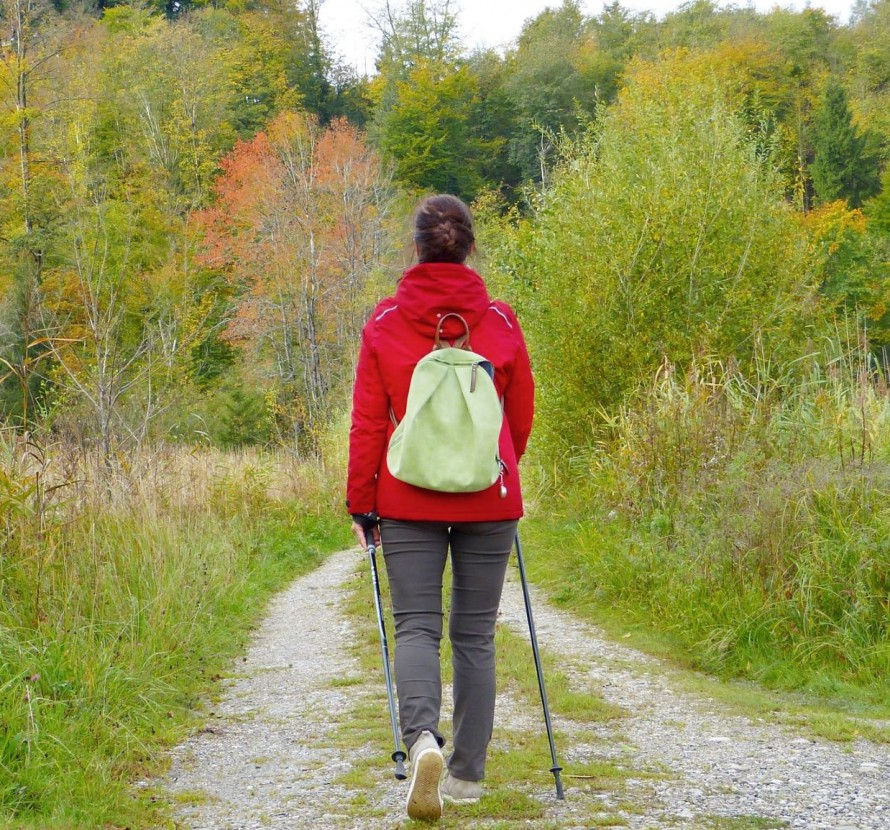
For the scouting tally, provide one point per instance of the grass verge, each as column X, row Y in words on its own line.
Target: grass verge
column 120, row 610
column 582, row 566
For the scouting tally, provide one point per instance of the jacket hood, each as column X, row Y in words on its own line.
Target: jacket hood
column 431, row 290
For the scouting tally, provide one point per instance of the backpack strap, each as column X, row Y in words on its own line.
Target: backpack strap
column 462, row 342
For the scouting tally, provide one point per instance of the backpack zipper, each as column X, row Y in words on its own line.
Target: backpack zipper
column 487, row 368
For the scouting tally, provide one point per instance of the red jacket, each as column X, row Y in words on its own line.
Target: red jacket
column 400, row 331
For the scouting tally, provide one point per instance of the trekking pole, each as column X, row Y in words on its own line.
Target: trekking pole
column 556, row 769
column 398, row 756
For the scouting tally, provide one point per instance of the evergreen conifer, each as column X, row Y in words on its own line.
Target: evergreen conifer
column 844, row 167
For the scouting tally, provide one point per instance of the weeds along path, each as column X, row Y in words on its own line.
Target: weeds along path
column 301, row 737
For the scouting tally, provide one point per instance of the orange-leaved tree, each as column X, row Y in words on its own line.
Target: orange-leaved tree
column 301, row 225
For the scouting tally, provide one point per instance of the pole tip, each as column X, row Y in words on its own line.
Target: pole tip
column 560, row 794
column 399, row 757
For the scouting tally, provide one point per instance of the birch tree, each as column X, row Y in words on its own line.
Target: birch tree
column 300, row 225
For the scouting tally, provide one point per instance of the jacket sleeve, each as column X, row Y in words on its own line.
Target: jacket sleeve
column 367, row 434
column 519, row 396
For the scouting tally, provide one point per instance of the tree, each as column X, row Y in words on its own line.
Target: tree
column 422, row 31
column 94, row 319
column 164, row 108
column 429, row 119
column 493, row 121
column 427, row 131
column 870, row 72
column 805, row 41
column 854, row 272
column 328, row 87
column 557, row 77
column 300, row 225
column 878, row 209
column 419, row 51
column 616, row 30
column 118, row 310
column 844, row 166
column 25, row 75
column 806, row 38
column 351, row 96
column 696, row 24
column 663, row 235
column 96, row 305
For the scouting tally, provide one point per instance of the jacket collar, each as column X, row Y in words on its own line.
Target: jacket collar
column 428, row 291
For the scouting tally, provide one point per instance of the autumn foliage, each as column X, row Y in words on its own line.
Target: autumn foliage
column 299, row 227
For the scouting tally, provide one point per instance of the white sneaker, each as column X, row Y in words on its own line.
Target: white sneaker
column 427, row 763
column 456, row 791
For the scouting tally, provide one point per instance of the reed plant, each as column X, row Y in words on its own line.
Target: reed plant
column 124, row 592
column 746, row 517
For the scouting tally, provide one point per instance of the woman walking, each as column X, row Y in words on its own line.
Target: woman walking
column 418, row 527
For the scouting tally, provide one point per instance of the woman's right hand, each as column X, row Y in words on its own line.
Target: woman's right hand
column 361, row 524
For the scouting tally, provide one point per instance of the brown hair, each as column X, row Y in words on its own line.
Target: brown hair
column 443, row 230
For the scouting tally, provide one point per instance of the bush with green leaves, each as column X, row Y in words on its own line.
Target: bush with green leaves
column 747, row 519
column 663, row 234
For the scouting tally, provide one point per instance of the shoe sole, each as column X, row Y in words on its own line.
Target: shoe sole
column 424, row 801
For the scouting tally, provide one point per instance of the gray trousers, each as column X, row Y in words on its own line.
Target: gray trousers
column 415, row 554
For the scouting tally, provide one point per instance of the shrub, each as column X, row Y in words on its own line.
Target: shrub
column 663, row 234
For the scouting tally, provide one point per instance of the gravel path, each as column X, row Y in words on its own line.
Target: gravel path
column 265, row 760
column 722, row 764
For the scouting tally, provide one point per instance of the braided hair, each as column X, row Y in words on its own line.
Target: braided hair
column 443, row 230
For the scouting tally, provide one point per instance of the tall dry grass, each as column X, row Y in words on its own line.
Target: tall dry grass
column 747, row 518
column 124, row 588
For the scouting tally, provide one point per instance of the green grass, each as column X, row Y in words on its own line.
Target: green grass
column 583, row 565
column 116, row 619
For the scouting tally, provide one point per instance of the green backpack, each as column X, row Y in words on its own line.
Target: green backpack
column 448, row 439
